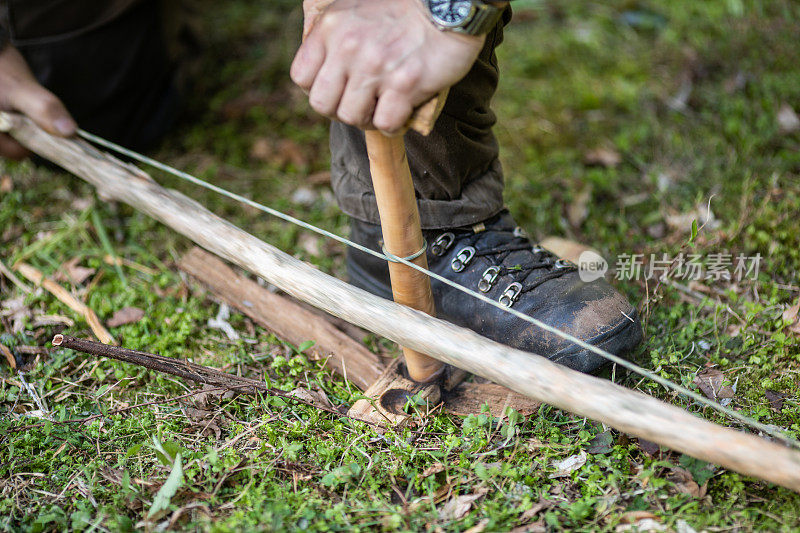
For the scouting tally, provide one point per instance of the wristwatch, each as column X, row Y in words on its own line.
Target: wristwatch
column 473, row 17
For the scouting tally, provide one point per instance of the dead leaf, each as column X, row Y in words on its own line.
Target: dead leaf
column 565, row 248
column 72, row 272
column 9, row 356
column 203, row 421
column 126, row 315
column 775, row 399
column 601, row 443
column 709, row 381
column 432, row 470
column 788, row 121
column 537, row 508
column 534, row 527
column 204, row 399
column 313, row 397
column 578, row 208
column 479, row 527
column 685, row 483
column 6, row 185
column 632, row 517
column 650, row 448
column 790, row 316
column 565, row 467
column 458, row 506
column 603, row 157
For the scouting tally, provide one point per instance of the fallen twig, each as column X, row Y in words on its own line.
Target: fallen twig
column 185, row 369
column 64, row 296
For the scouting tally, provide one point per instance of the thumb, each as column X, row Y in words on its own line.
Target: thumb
column 46, row 110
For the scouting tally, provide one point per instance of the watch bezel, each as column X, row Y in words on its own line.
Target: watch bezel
column 452, row 25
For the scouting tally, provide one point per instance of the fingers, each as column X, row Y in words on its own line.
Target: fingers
column 307, row 62
column 392, row 112
column 20, row 91
column 327, row 90
column 46, row 110
column 360, row 66
column 357, row 103
column 12, row 149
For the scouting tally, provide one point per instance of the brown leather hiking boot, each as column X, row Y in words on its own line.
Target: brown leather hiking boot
column 497, row 259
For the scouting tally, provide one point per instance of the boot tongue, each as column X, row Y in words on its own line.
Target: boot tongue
column 493, row 239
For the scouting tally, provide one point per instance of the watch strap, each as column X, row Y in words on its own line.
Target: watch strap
column 485, row 18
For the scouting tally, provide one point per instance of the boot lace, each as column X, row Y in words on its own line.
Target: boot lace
column 521, row 281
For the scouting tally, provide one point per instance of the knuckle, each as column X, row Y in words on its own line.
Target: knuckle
column 407, row 78
column 350, row 43
column 299, row 77
column 372, row 60
column 319, row 106
column 320, row 102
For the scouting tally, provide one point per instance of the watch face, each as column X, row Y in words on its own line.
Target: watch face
column 450, row 13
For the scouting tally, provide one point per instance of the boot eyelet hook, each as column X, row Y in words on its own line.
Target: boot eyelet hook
column 511, row 294
column 488, row 278
column 442, row 243
column 463, row 258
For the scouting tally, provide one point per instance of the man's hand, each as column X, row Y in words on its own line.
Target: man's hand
column 371, row 62
column 19, row 91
